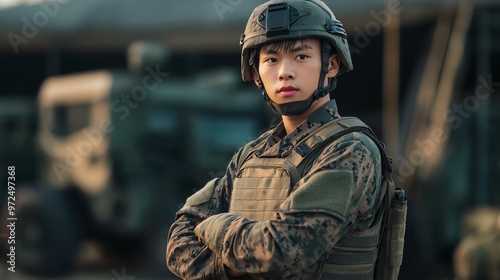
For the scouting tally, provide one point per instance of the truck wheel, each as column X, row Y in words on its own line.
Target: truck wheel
column 47, row 238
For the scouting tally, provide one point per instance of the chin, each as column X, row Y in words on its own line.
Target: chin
column 283, row 100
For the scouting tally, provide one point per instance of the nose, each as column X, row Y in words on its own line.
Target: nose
column 286, row 71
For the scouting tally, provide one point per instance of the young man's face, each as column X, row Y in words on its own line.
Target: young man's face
column 292, row 74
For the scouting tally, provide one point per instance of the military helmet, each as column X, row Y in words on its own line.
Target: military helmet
column 278, row 20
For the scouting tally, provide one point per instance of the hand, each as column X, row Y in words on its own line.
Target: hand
column 211, row 230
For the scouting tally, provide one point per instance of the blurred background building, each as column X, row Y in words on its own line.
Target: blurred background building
column 114, row 111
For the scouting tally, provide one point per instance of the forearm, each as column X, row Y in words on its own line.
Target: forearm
column 187, row 257
column 272, row 248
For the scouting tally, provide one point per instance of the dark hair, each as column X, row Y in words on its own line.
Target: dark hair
column 281, row 46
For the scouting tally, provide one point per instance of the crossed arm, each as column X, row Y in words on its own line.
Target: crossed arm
column 187, row 256
column 205, row 239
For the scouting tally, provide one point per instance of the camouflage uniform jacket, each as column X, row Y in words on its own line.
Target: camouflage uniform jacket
column 205, row 237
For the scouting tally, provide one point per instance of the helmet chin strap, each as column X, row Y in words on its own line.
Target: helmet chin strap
column 296, row 108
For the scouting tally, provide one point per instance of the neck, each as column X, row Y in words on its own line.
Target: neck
column 292, row 122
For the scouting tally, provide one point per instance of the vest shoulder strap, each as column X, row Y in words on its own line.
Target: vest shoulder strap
column 312, row 145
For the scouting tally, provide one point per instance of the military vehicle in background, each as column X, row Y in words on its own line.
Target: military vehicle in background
column 17, row 131
column 118, row 153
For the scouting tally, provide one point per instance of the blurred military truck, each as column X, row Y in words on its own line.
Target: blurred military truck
column 17, row 131
column 119, row 151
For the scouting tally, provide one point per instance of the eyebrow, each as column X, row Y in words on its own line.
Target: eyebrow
column 294, row 49
column 301, row 48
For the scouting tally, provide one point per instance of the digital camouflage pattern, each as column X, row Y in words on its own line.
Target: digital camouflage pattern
column 204, row 236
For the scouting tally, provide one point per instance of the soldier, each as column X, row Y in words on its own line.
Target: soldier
column 301, row 201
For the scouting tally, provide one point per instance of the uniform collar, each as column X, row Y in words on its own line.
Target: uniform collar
column 280, row 144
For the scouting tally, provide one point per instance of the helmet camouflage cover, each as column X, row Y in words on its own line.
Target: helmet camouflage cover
column 279, row 20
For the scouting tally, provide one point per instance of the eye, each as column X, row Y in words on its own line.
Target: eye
column 271, row 60
column 302, row 56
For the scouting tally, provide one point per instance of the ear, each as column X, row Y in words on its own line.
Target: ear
column 333, row 66
column 256, row 79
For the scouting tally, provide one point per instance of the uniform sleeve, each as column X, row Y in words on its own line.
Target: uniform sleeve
column 337, row 195
column 186, row 256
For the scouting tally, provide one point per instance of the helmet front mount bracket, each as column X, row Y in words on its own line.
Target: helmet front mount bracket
column 277, row 18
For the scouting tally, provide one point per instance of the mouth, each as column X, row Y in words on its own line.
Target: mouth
column 287, row 91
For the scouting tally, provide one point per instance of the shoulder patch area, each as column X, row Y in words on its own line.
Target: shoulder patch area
column 202, row 195
column 324, row 190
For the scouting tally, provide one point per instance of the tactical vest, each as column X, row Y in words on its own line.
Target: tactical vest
column 262, row 184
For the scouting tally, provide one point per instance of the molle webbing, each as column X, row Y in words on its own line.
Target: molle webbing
column 354, row 256
column 391, row 247
column 260, row 187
